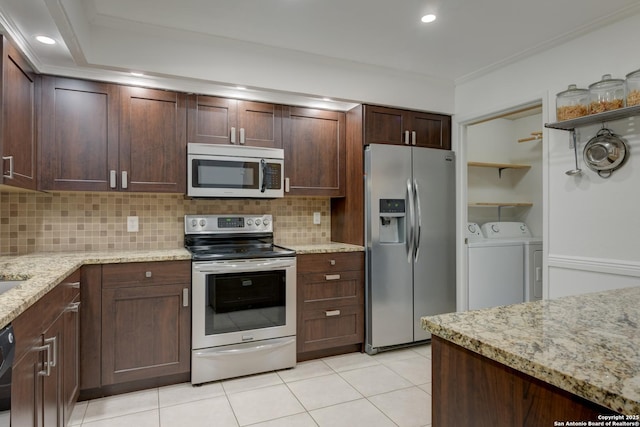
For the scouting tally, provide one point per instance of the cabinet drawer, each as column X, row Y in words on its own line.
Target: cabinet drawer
column 330, row 262
column 320, row 290
column 322, row 329
column 145, row 273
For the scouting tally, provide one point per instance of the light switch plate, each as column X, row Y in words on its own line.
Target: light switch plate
column 132, row 224
column 316, row 218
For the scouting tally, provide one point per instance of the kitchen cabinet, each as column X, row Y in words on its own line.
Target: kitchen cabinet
column 214, row 120
column 20, row 91
column 472, row 390
column 45, row 374
column 330, row 292
column 104, row 137
column 153, row 140
column 146, row 321
column 314, row 152
column 383, row 125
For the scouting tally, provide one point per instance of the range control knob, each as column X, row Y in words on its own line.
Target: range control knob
column 194, row 222
column 523, row 227
column 249, row 221
column 495, row 228
column 265, row 221
column 203, row 222
column 257, row 221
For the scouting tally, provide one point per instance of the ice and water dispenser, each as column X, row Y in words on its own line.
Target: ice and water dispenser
column 392, row 221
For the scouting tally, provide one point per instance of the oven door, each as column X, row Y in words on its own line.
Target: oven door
column 237, row 301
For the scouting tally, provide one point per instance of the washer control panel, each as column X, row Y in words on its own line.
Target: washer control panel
column 504, row 230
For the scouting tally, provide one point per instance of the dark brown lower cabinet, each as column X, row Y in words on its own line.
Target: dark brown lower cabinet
column 136, row 330
column 330, row 292
column 472, row 390
column 45, row 375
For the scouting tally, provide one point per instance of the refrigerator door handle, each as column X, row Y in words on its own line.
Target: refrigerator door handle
column 410, row 219
column 418, row 220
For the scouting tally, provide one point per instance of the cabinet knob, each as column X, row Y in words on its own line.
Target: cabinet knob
column 332, row 261
column 148, row 274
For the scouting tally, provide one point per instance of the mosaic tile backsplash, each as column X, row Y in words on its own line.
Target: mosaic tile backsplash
column 56, row 222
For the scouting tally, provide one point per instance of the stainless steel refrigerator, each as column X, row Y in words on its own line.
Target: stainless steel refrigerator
column 410, row 241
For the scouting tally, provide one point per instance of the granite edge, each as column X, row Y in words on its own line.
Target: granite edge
column 41, row 276
column 573, row 385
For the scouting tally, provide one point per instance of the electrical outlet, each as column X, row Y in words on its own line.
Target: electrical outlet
column 132, row 224
column 316, row 218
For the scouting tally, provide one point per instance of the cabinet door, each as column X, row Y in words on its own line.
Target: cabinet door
column 145, row 332
column 431, row 130
column 153, row 140
column 79, row 134
column 71, row 357
column 384, row 125
column 211, row 119
column 214, row 120
column 20, row 87
column 26, row 386
column 259, row 124
column 315, row 152
column 52, row 402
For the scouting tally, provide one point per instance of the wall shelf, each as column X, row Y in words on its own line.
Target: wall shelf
column 607, row 116
column 499, row 204
column 498, row 165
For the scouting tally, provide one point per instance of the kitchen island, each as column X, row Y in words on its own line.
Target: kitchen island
column 557, row 362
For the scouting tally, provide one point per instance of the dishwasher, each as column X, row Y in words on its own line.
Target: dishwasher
column 7, row 353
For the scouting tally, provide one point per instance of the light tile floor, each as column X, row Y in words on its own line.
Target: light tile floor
column 389, row 389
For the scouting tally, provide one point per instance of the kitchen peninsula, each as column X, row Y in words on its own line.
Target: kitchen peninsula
column 550, row 362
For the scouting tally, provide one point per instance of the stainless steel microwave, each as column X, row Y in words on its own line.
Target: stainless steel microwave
column 234, row 171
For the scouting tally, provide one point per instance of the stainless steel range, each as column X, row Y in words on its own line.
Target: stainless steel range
column 244, row 297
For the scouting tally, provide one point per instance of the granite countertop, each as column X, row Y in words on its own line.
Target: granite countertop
column 588, row 345
column 43, row 271
column 323, row 248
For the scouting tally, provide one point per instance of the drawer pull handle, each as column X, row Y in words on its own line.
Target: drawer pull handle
column 331, row 313
column 148, row 274
column 332, row 277
column 75, row 285
column 74, row 307
column 332, row 262
column 185, row 297
column 46, row 372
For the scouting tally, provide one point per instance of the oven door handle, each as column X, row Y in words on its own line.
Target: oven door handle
column 240, row 266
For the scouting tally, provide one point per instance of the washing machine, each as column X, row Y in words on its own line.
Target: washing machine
column 532, row 252
column 495, row 270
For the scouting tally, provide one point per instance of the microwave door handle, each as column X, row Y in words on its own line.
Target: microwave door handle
column 263, row 166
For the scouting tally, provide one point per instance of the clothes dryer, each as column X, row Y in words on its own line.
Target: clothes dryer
column 495, row 270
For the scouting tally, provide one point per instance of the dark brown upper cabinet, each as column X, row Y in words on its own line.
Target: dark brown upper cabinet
column 214, row 120
column 314, row 152
column 18, row 136
column 383, row 125
column 104, row 137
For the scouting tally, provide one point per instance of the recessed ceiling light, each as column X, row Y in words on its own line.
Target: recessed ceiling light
column 428, row 18
column 45, row 40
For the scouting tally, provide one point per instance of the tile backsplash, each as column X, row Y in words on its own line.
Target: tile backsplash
column 55, row 222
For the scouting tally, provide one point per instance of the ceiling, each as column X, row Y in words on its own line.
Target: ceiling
column 106, row 39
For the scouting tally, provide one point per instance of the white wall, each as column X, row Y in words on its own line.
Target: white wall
column 591, row 229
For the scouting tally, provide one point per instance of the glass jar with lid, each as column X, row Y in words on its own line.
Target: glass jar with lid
column 572, row 103
column 606, row 95
column 632, row 84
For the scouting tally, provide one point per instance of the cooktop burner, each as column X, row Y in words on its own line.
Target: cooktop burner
column 222, row 237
